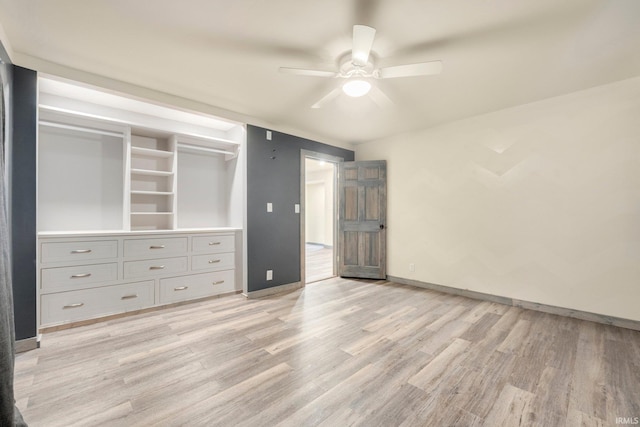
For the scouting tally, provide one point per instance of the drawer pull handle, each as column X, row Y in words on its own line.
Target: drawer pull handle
column 181, row 288
column 214, row 261
column 156, row 247
column 213, row 243
column 130, row 296
column 76, row 305
column 81, row 251
column 156, row 267
column 80, row 276
column 219, row 282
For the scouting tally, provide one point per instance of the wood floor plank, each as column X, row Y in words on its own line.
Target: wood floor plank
column 339, row 352
column 429, row 376
column 580, row 419
column 512, row 408
column 480, row 327
column 479, row 386
column 551, row 398
column 316, row 412
column 517, row 335
column 226, row 402
column 587, row 395
column 399, row 364
column 619, row 379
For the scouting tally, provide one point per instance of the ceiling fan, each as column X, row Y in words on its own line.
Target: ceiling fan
column 358, row 71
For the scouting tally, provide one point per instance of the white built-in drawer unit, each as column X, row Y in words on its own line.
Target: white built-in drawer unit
column 196, row 286
column 86, row 276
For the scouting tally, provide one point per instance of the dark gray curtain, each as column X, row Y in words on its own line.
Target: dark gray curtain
column 9, row 414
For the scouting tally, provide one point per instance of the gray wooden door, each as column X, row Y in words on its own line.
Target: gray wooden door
column 362, row 219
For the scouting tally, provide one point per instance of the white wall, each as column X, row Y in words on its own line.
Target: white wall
column 319, row 206
column 314, row 206
column 540, row 202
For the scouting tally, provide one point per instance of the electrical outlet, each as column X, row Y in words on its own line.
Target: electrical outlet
column 269, row 135
column 269, row 274
column 412, row 267
column 269, row 207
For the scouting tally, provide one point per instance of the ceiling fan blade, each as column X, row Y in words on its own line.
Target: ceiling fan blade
column 303, row 72
column 362, row 42
column 380, row 98
column 419, row 69
column 328, row 97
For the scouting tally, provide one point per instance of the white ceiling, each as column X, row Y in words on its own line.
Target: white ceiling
column 224, row 53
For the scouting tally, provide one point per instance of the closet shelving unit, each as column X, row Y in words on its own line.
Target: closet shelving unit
column 160, row 163
column 153, row 183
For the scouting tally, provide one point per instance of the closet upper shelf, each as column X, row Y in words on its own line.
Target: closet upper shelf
column 218, row 146
column 150, row 152
column 150, row 172
column 153, row 193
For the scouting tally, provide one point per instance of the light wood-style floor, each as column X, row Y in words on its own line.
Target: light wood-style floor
column 338, row 353
column 318, row 263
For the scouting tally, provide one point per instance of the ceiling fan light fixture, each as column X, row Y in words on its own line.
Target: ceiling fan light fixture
column 356, row 88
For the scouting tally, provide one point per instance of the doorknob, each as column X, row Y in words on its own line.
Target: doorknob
column 381, row 226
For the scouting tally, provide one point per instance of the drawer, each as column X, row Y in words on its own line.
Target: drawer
column 196, row 286
column 77, row 277
column 78, row 251
column 213, row 243
column 155, row 247
column 213, row 261
column 153, row 267
column 90, row 303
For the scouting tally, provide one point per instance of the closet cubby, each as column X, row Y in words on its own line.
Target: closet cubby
column 80, row 175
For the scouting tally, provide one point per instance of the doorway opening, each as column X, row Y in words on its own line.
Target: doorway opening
column 319, row 225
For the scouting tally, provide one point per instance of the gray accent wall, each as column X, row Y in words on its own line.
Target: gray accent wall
column 22, row 152
column 273, row 176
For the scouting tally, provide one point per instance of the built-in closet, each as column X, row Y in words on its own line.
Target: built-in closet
column 139, row 204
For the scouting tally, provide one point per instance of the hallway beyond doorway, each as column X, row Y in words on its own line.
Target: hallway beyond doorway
column 319, row 263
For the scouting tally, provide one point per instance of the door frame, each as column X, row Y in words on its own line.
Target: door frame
column 307, row 154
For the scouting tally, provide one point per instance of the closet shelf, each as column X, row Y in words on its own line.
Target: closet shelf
column 151, row 213
column 151, row 152
column 206, row 149
column 150, row 172
column 153, row 193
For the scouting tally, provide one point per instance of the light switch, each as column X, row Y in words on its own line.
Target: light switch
column 297, row 208
column 269, row 207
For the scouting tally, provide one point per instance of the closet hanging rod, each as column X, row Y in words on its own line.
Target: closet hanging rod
column 208, row 150
column 82, row 129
